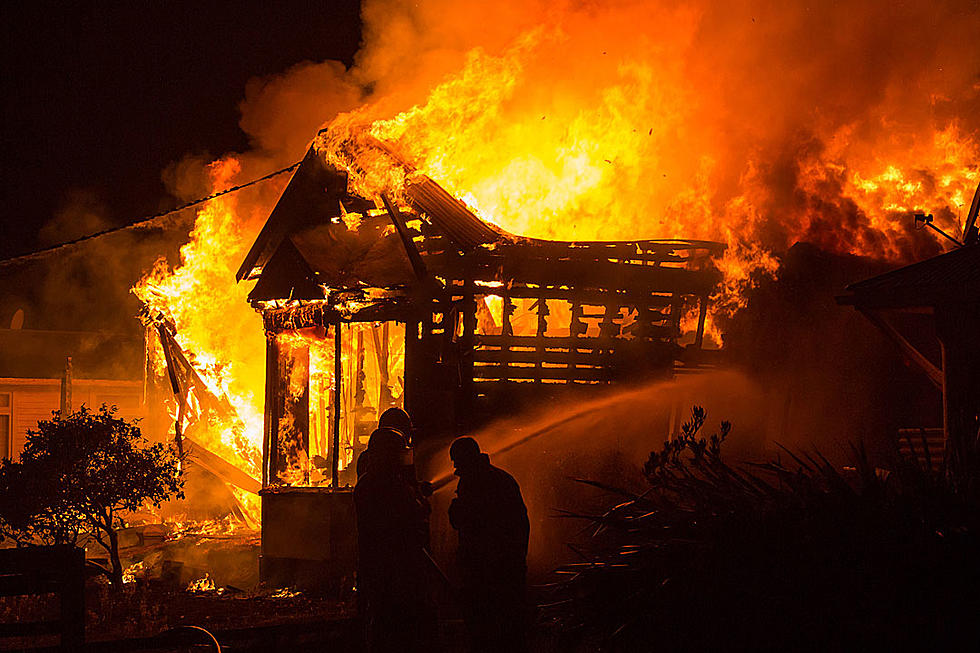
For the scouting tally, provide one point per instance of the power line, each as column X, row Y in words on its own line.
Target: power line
column 146, row 221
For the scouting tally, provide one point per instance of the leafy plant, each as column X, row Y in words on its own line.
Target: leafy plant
column 79, row 474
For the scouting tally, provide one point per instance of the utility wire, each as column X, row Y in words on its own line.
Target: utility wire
column 146, row 221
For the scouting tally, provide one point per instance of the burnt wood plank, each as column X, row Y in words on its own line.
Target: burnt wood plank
column 598, row 274
column 503, row 356
column 541, row 374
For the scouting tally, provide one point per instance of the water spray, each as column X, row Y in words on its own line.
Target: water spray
column 444, row 480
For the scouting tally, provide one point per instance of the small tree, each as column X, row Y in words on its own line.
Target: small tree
column 80, row 474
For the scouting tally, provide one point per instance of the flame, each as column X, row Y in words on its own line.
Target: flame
column 545, row 142
column 204, row 584
column 214, row 325
column 134, row 571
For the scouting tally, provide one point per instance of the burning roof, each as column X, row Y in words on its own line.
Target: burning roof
column 322, row 238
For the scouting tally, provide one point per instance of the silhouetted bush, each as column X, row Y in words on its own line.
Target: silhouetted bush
column 79, row 474
column 790, row 554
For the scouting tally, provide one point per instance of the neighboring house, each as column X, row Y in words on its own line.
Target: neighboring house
column 941, row 298
column 23, row 402
column 75, row 301
column 107, row 368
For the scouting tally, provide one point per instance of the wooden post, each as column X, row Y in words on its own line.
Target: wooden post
column 385, row 373
column 73, row 598
column 66, row 389
column 411, row 398
column 506, row 330
column 359, row 375
column 337, row 402
column 961, row 389
column 270, row 435
column 542, row 328
column 465, row 355
column 576, row 327
column 702, row 314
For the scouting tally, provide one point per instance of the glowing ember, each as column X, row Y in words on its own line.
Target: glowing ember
column 285, row 593
column 205, row 584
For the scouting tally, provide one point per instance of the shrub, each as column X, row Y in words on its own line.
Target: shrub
column 79, row 474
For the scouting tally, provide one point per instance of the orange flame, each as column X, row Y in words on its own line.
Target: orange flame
column 544, row 143
column 222, row 335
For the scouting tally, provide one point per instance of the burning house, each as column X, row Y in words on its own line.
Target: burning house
column 412, row 300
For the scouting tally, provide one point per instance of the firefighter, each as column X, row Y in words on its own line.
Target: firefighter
column 395, row 419
column 392, row 531
column 399, row 420
column 491, row 518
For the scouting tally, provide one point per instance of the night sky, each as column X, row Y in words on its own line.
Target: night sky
column 99, row 97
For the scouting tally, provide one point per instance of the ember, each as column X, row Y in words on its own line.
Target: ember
column 204, row 584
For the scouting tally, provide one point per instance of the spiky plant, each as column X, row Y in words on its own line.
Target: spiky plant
column 791, row 553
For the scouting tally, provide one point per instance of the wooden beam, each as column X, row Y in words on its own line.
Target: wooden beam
column 540, row 374
column 702, row 314
column 566, row 342
column 220, row 467
column 270, row 440
column 934, row 373
column 169, row 358
column 594, row 274
column 504, row 356
column 338, row 372
column 418, row 265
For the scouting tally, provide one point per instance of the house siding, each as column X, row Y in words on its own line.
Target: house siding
column 35, row 399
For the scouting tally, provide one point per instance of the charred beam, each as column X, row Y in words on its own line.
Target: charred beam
column 418, row 265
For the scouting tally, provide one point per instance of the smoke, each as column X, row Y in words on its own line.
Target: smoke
column 281, row 113
column 753, row 123
column 82, row 213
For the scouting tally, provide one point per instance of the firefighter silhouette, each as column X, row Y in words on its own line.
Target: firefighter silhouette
column 392, row 533
column 491, row 518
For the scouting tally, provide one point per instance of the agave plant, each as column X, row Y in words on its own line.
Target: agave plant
column 793, row 553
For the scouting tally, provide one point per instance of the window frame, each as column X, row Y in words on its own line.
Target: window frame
column 8, row 410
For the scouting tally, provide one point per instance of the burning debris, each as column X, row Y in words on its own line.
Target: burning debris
column 203, row 584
